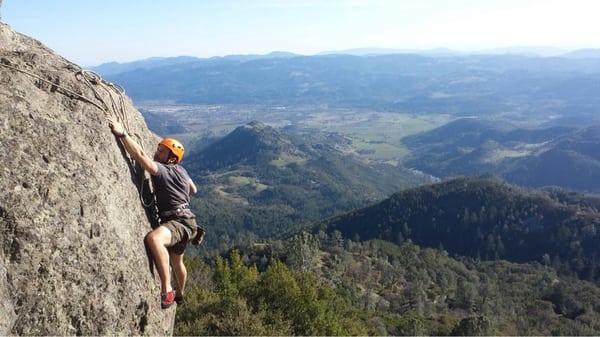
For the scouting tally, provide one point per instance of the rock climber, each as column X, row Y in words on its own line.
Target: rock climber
column 173, row 188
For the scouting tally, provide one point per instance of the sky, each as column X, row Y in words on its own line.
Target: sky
column 93, row 32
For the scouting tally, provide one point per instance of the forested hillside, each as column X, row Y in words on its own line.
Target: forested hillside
column 257, row 181
column 502, row 260
column 573, row 161
column 486, row 219
column 329, row 285
column 544, row 156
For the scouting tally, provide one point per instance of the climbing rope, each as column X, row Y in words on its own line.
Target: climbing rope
column 91, row 79
column 116, row 108
column 66, row 90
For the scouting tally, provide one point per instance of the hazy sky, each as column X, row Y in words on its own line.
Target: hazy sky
column 91, row 32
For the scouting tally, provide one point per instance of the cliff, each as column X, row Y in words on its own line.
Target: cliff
column 72, row 224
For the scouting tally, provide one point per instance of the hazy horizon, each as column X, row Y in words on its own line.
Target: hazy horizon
column 379, row 50
column 93, row 33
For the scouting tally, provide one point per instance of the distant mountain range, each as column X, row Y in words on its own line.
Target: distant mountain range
column 390, row 51
column 583, row 54
column 259, row 180
column 523, row 51
column 558, row 156
column 111, row 68
column 459, row 85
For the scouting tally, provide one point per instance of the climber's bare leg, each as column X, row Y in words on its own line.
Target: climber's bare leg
column 157, row 241
column 180, row 271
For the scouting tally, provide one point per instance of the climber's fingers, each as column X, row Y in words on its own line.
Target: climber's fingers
column 111, row 120
column 115, row 126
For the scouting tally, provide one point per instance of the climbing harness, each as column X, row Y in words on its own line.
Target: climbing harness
column 175, row 211
column 116, row 108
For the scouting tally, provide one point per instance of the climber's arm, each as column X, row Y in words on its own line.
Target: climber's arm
column 135, row 151
column 133, row 148
column 193, row 189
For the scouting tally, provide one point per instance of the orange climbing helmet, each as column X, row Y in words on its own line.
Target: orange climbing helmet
column 175, row 147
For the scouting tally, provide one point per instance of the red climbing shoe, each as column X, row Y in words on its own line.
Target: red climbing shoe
column 167, row 300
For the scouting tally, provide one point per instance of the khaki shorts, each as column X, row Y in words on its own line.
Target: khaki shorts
column 182, row 231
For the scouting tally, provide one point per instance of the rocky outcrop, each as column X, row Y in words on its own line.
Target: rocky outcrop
column 72, row 257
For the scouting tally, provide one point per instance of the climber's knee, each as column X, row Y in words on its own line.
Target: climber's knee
column 160, row 235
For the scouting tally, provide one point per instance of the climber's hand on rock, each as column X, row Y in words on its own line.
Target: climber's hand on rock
column 116, row 127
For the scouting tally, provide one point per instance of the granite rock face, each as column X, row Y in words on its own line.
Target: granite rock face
column 72, row 224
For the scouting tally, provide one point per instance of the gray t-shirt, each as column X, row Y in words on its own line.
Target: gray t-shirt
column 171, row 186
